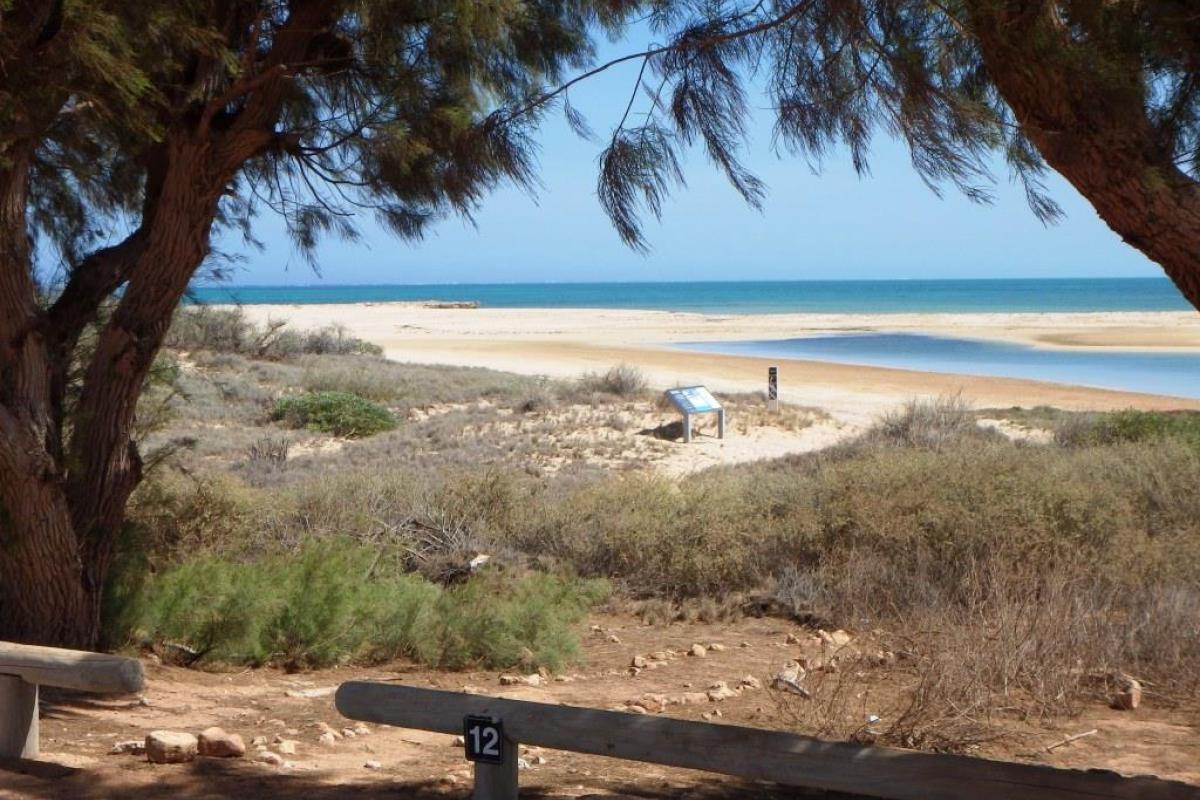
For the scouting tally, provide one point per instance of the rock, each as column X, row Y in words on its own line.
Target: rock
column 717, row 648
column 362, row 730
column 654, row 703
column 459, row 742
column 259, row 741
column 324, row 691
column 612, row 637
column 373, row 765
column 882, row 658
column 170, row 747
column 522, row 764
column 744, row 644
column 698, row 650
column 792, row 639
column 660, row 655
column 510, row 680
column 134, row 747
column 216, row 743
column 327, row 739
column 788, row 680
column 287, row 747
column 535, row 679
column 750, row 682
column 1129, row 693
column 688, row 698
column 539, row 760
column 720, row 691
column 639, row 662
column 634, row 672
column 326, row 728
column 479, row 562
column 634, row 708
column 714, row 714
column 840, row 638
column 267, row 757
column 348, row 733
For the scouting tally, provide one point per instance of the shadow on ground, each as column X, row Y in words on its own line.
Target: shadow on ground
column 209, row 780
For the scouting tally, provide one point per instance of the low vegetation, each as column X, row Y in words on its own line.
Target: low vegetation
column 339, row 413
column 1015, row 577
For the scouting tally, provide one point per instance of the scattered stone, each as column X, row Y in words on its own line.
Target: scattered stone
column 1129, row 693
column 698, row 650
column 688, row 698
column 362, row 730
column 259, row 741
column 744, row 644
column 634, row 672
column 789, row 681
column 448, row 780
column 750, row 682
column 717, row 648
column 373, row 765
column 170, row 747
column 660, row 655
column 510, row 680
column 840, row 638
column 710, row 715
column 216, row 743
column 633, row 708
column 792, row 639
column 536, row 679
column 134, row 747
column 639, row 662
column 479, row 562
column 326, row 728
column 267, row 757
column 882, row 658
column 459, row 742
column 324, row 691
column 539, row 760
column 327, row 739
column 348, row 733
column 654, row 703
column 522, row 764
column 612, row 637
column 720, row 691
column 287, row 747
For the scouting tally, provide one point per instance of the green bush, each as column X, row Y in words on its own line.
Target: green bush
column 325, row 604
column 1086, row 430
column 339, row 413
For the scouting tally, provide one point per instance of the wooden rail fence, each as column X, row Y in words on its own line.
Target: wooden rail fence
column 743, row 752
column 23, row 668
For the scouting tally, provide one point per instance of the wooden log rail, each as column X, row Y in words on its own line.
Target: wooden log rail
column 743, row 752
column 23, row 668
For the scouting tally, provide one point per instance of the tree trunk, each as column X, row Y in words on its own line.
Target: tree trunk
column 1092, row 129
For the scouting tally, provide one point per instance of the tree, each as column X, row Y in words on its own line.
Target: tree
column 1105, row 93
column 166, row 119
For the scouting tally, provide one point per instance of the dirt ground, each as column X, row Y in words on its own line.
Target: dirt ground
column 78, row 732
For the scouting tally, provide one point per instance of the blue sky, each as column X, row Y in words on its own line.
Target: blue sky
column 834, row 225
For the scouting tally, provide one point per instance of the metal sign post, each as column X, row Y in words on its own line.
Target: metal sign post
column 691, row 400
column 773, row 388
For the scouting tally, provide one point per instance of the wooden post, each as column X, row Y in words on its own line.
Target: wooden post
column 18, row 718
column 721, row 423
column 772, row 388
column 687, row 427
column 498, row 781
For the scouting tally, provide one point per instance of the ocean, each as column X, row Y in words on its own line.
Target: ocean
column 751, row 297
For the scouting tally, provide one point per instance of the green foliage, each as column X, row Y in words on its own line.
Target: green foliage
column 338, row 413
column 226, row 330
column 1128, row 426
column 325, row 604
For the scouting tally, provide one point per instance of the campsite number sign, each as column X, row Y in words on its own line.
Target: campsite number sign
column 484, row 739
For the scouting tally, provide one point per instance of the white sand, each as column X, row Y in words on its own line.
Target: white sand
column 567, row 342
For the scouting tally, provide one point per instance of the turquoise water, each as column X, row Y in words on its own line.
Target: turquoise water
column 752, row 297
column 1175, row 374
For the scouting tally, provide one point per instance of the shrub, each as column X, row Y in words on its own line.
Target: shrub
column 928, row 423
column 226, row 330
column 622, row 380
column 1127, row 426
column 339, row 413
column 327, row 603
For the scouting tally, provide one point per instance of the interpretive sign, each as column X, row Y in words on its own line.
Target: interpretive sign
column 696, row 400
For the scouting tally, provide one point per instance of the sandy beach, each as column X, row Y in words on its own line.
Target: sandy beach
column 567, row 342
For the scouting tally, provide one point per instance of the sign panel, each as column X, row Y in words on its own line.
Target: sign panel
column 693, row 399
column 773, row 383
column 483, row 738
